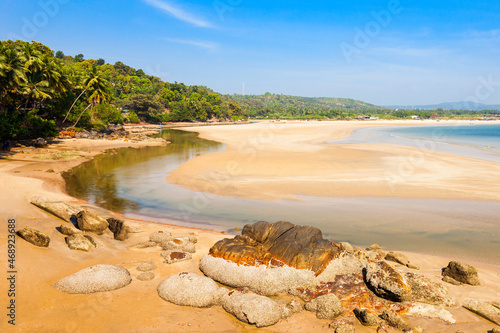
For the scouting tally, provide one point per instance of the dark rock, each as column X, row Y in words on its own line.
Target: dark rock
column 462, row 272
column 386, row 282
column 34, row 237
column 91, row 240
column 395, row 320
column 452, row 281
column 485, row 310
column 118, row 228
column 40, row 143
column 425, row 291
column 367, row 318
column 342, row 326
column 90, row 222
column 278, row 244
column 326, row 307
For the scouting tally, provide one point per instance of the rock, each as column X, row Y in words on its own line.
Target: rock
column 398, row 258
column 326, row 307
column 132, row 230
column 449, row 280
column 147, row 276
column 144, row 245
column 425, row 291
column 189, row 289
column 367, row 318
column 171, row 257
column 62, row 210
column 95, row 279
column 345, row 246
column 160, row 237
column 289, row 309
column 91, row 240
column 395, row 320
column 430, row 311
column 34, row 237
column 485, row 310
column 373, row 247
column 89, row 222
column 69, row 230
column 179, row 244
column 120, row 231
column 253, row 309
column 40, row 143
column 78, row 242
column 386, row 282
column 277, row 244
column 462, row 272
column 146, row 267
column 413, row 266
column 342, row 326
column 495, row 330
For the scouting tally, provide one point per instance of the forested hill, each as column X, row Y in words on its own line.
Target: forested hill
column 276, row 106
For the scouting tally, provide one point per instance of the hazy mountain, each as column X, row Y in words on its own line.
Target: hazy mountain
column 450, row 106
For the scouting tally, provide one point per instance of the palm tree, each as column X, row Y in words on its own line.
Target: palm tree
column 12, row 74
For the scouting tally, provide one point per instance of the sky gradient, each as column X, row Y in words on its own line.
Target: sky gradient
column 382, row 52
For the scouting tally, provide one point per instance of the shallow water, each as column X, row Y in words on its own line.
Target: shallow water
column 133, row 181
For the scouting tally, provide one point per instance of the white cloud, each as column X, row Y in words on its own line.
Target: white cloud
column 179, row 13
column 201, row 44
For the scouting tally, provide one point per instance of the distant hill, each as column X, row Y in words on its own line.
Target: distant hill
column 295, row 106
column 450, row 106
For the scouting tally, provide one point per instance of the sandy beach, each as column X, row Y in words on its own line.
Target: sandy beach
column 267, row 161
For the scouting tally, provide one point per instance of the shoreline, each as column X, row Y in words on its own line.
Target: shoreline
column 40, row 268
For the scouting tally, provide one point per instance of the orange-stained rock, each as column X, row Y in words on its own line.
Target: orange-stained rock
column 278, row 244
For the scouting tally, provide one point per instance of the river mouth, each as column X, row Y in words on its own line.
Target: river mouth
column 133, row 182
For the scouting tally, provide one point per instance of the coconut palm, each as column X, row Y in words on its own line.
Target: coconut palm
column 12, row 74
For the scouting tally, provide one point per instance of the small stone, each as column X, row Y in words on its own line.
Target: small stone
column 495, row 330
column 373, row 247
column 367, row 318
column 78, row 242
column 160, row 237
column 146, row 267
column 147, row 276
column 326, row 306
column 144, row 245
column 253, row 309
column 69, row 230
column 397, row 257
column 462, row 272
column 347, row 247
column 171, row 257
column 395, row 320
column 412, row 266
column 189, row 289
column 179, row 244
column 342, row 326
column 34, row 237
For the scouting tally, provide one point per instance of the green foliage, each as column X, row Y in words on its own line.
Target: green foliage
column 132, row 118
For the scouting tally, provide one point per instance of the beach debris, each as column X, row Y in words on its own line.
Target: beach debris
column 94, row 279
column 79, row 242
column 183, row 244
column 69, row 230
column 253, row 309
column 118, row 228
column 461, row 272
column 484, row 309
column 395, row 320
column 190, row 289
column 425, row 291
column 171, row 257
column 90, row 222
column 144, row 245
column 60, row 209
column 326, row 306
column 367, row 318
column 34, row 237
column 146, row 267
column 386, row 282
column 342, row 326
column 146, row 276
column 160, row 237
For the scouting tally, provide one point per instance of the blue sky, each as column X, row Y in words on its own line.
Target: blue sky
column 382, row 52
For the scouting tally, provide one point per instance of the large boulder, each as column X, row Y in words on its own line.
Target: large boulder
column 462, row 272
column 34, row 237
column 189, row 289
column 425, row 291
column 253, row 309
column 90, row 222
column 484, row 309
column 326, row 307
column 386, row 282
column 278, row 244
column 95, row 279
column 60, row 209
